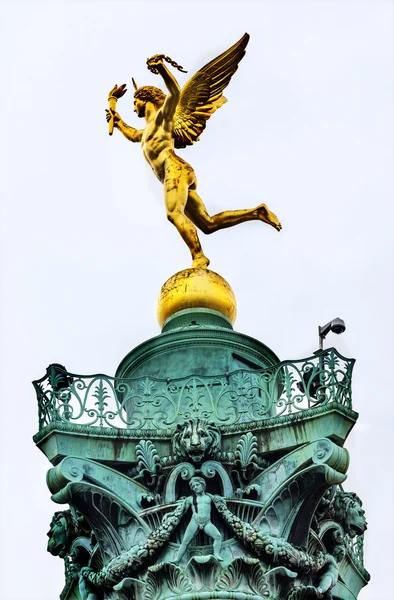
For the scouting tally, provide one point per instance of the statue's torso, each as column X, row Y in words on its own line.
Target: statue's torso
column 158, row 149
column 202, row 513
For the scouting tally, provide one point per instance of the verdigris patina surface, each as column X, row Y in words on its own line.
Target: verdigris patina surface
column 232, row 490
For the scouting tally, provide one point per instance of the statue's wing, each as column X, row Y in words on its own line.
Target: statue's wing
column 203, row 94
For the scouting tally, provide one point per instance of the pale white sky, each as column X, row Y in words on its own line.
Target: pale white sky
column 308, row 129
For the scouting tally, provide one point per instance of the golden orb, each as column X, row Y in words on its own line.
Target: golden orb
column 196, row 288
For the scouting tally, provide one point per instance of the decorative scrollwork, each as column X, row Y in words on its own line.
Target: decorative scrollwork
column 356, row 548
column 210, row 468
column 186, row 471
column 148, row 403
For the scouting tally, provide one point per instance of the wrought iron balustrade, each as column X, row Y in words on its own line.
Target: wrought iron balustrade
column 230, row 398
column 355, row 547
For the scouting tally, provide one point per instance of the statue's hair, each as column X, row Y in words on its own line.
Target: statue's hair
column 198, row 480
column 76, row 525
column 343, row 501
column 66, row 515
column 149, row 93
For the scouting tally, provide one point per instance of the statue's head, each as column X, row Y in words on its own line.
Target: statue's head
column 196, row 440
column 147, row 93
column 349, row 513
column 197, row 485
column 66, row 525
column 60, row 533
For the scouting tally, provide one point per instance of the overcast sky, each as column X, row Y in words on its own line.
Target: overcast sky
column 86, row 246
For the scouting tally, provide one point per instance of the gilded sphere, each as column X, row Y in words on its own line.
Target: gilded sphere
column 196, row 288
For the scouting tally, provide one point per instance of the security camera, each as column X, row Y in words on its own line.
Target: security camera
column 336, row 325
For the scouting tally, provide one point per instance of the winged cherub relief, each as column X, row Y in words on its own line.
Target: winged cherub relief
column 176, row 120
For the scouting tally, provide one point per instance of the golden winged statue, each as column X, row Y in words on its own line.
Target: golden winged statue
column 176, row 120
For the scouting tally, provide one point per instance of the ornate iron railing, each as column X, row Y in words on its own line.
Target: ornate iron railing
column 355, row 548
column 237, row 397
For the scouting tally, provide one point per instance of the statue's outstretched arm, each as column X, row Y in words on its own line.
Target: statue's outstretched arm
column 132, row 134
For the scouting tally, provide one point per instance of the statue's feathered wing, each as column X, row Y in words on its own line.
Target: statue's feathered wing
column 203, row 94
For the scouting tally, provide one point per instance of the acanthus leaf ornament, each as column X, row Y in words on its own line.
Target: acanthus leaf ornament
column 149, row 465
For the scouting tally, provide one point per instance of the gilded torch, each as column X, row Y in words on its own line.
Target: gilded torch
column 113, row 96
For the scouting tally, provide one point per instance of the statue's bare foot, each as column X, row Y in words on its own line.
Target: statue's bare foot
column 200, row 262
column 264, row 214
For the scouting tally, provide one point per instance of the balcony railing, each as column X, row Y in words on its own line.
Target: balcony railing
column 239, row 397
column 355, row 547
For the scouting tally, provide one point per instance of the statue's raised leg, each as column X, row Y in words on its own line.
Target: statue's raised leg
column 197, row 212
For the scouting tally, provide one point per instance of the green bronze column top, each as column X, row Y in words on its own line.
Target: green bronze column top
column 196, row 318
column 196, row 341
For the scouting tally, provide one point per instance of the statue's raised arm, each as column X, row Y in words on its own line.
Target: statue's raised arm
column 167, row 111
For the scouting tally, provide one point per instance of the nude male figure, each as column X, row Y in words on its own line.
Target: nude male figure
column 201, row 505
column 167, row 118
